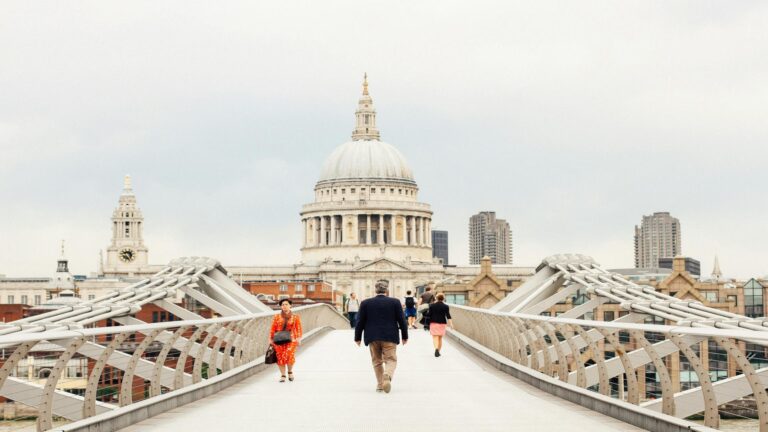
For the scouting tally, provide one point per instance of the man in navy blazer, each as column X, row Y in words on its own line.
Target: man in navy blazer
column 379, row 318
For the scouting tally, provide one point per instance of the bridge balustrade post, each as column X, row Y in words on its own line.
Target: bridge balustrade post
column 489, row 332
column 222, row 335
column 92, row 387
column 711, row 415
column 228, row 361
column 667, row 390
column 604, row 386
column 238, row 342
column 540, row 346
column 581, row 373
column 45, row 412
column 255, row 334
column 562, row 363
column 532, row 360
column 758, row 389
column 517, row 335
column 155, row 388
column 178, row 381
column 511, row 349
column 19, row 353
column 197, row 369
column 126, row 387
column 629, row 371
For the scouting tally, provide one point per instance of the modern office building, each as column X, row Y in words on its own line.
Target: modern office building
column 489, row 237
column 440, row 245
column 692, row 266
column 658, row 236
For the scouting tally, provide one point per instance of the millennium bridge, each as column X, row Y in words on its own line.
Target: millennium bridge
column 503, row 368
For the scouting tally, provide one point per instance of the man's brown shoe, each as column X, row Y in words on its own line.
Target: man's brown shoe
column 387, row 386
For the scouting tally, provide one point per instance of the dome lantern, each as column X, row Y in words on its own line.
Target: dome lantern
column 365, row 116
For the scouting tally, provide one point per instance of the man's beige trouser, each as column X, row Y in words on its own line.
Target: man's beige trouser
column 384, row 359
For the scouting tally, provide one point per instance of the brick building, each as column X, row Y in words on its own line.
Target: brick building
column 299, row 291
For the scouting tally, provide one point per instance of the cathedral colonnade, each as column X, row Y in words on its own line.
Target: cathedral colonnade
column 377, row 228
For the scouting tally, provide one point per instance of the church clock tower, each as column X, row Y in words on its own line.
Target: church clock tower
column 126, row 253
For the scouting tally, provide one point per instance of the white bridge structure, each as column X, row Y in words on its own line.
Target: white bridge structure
column 132, row 370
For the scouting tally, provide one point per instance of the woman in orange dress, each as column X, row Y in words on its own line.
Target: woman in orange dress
column 286, row 353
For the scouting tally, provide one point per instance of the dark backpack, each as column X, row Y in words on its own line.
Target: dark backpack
column 410, row 302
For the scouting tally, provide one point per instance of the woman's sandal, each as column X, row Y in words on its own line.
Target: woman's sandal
column 282, row 378
column 290, row 376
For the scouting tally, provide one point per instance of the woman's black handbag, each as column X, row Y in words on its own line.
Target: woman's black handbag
column 271, row 356
column 283, row 336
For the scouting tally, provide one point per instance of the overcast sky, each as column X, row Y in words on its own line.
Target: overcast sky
column 570, row 119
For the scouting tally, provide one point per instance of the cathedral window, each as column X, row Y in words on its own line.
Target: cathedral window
column 335, row 191
column 373, row 190
column 392, row 190
column 352, row 190
column 383, row 190
column 343, row 191
column 400, row 191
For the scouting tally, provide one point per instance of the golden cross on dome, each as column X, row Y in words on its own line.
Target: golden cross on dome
column 365, row 83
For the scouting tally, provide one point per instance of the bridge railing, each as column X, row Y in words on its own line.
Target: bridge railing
column 680, row 371
column 58, row 376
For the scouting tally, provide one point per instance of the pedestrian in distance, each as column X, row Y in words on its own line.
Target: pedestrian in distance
column 353, row 306
column 410, row 309
column 379, row 319
column 425, row 300
column 285, row 344
column 439, row 318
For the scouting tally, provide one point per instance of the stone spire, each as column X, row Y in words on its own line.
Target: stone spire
column 365, row 117
column 127, row 187
column 62, row 263
column 716, row 272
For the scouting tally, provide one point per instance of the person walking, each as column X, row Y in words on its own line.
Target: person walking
column 353, row 305
column 439, row 317
column 425, row 300
column 379, row 319
column 410, row 309
column 286, row 321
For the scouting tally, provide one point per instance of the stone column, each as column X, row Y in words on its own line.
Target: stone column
column 368, row 229
column 395, row 220
column 333, row 230
column 304, row 240
column 429, row 232
column 322, row 231
column 356, row 229
column 380, row 240
column 412, row 230
column 421, row 227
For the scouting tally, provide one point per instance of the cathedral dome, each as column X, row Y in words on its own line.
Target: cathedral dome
column 366, row 160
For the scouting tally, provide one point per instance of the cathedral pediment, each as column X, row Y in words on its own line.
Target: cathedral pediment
column 382, row 264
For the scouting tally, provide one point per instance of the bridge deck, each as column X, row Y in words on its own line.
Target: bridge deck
column 334, row 390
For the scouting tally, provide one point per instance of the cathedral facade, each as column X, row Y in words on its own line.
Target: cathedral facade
column 367, row 224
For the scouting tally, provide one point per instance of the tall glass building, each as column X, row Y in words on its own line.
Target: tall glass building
column 440, row 245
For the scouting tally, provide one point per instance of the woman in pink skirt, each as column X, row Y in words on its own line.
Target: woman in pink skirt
column 439, row 317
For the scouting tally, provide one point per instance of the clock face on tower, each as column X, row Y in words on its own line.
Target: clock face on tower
column 127, row 255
